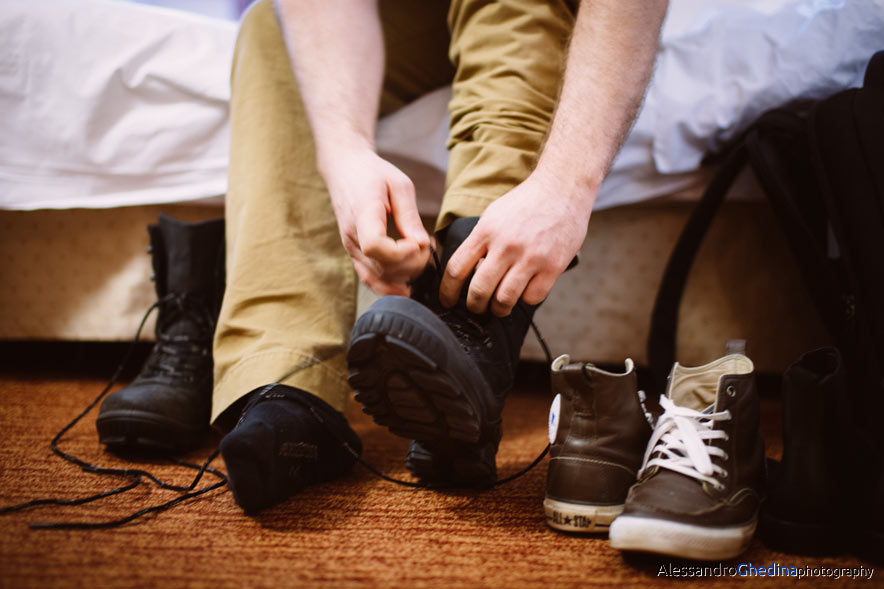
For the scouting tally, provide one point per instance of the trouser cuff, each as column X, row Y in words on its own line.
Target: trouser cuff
column 296, row 369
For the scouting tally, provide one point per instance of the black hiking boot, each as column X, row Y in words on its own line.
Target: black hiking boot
column 439, row 376
column 166, row 408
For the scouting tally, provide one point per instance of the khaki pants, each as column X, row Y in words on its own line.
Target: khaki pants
column 291, row 288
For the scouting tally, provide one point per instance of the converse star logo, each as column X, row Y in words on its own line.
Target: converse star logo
column 554, row 411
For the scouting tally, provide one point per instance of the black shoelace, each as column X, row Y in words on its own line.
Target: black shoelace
column 180, row 356
column 167, row 358
column 137, row 476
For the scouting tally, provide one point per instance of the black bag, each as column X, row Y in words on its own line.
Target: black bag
column 822, row 170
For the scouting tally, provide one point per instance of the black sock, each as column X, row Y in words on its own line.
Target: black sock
column 285, row 440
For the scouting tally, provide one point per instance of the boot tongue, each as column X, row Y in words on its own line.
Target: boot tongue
column 191, row 253
column 697, row 388
column 507, row 334
column 695, row 391
column 178, row 322
column 456, row 234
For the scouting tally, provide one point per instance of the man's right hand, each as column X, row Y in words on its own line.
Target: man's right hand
column 364, row 190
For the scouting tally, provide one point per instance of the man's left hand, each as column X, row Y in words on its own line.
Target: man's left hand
column 521, row 245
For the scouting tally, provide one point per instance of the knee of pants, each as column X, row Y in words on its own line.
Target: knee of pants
column 490, row 160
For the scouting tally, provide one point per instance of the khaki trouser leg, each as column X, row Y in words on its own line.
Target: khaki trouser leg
column 509, row 58
column 291, row 288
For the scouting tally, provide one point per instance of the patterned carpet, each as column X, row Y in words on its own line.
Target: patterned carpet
column 355, row 532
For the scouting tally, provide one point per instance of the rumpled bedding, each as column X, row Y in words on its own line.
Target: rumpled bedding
column 106, row 104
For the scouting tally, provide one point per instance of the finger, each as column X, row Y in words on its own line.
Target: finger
column 459, row 267
column 377, row 284
column 352, row 249
column 371, row 232
column 403, row 205
column 484, row 282
column 365, row 274
column 538, row 288
column 510, row 290
column 411, row 266
column 414, row 262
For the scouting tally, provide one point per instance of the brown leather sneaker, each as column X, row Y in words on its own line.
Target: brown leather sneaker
column 699, row 490
column 598, row 431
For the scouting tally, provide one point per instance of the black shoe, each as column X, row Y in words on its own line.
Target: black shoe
column 809, row 493
column 166, row 408
column 439, row 376
column 286, row 440
column 869, row 539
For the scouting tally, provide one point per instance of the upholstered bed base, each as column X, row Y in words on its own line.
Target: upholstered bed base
column 83, row 274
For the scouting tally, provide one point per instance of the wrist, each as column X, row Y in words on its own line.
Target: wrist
column 579, row 189
column 334, row 148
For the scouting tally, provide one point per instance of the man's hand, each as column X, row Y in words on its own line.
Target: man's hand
column 337, row 53
column 527, row 237
column 364, row 190
column 521, row 245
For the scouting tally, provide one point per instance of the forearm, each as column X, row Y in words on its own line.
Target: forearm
column 610, row 61
column 337, row 53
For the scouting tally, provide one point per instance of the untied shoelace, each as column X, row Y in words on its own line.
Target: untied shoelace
column 137, row 476
column 190, row 491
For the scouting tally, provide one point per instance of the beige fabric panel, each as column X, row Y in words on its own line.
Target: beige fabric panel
column 744, row 285
column 84, row 275
column 80, row 274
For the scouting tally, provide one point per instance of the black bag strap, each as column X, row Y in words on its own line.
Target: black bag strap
column 756, row 147
column 664, row 319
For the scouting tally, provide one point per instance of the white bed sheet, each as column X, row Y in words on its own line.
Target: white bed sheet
column 106, row 104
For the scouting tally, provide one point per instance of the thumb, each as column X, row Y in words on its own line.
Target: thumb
column 403, row 205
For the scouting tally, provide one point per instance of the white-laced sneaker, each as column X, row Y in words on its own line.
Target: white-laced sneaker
column 698, row 491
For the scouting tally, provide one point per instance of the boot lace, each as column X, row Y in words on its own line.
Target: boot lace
column 470, row 333
column 680, row 443
column 181, row 356
column 136, row 476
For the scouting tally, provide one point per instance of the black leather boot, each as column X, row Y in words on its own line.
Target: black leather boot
column 166, row 408
column 439, row 376
column 809, row 498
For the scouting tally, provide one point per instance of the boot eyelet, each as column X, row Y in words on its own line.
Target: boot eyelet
column 724, row 474
column 731, row 391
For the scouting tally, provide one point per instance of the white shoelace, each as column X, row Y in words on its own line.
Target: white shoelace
column 679, row 443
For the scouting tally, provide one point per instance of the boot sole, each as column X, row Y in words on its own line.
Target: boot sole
column 144, row 431
column 411, row 375
column 580, row 517
column 658, row 536
column 440, row 467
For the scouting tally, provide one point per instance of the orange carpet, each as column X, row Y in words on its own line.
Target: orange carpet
column 356, row 532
